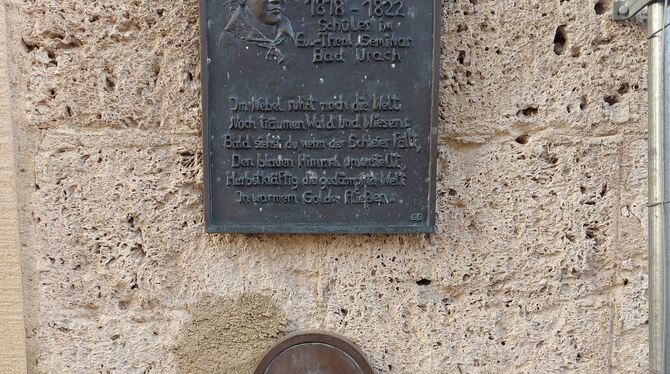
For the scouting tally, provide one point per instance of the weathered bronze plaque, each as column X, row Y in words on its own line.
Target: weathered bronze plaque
column 320, row 116
column 314, row 353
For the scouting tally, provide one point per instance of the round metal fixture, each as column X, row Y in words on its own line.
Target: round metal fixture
column 314, row 352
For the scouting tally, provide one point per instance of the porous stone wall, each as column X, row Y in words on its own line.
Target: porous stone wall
column 538, row 264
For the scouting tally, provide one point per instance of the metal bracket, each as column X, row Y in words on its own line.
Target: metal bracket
column 627, row 9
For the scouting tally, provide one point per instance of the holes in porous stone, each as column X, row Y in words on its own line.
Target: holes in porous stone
column 424, row 282
column 600, row 8
column 522, row 139
column 486, row 27
column 549, row 157
column 560, row 38
column 156, row 69
column 461, row 57
column 68, row 111
column 612, row 99
column 109, row 84
column 583, row 104
column 462, row 27
column 625, row 282
column 29, row 46
column 590, row 233
column 530, row 111
column 624, row 88
column 138, row 251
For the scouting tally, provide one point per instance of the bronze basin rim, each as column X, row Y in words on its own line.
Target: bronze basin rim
column 307, row 337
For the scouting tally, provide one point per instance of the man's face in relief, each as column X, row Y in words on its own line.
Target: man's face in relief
column 270, row 12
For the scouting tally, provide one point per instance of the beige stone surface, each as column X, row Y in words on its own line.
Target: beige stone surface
column 538, row 264
column 12, row 327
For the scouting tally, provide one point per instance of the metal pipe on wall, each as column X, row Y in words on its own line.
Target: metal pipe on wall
column 663, row 101
column 659, row 187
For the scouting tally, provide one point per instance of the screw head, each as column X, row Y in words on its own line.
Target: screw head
column 623, row 10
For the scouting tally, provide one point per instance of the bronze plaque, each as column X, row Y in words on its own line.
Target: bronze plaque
column 320, row 116
column 314, row 353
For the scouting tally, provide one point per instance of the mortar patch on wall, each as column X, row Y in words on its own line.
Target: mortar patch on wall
column 228, row 336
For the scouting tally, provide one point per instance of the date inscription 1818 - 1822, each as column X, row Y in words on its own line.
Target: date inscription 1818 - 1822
column 320, row 115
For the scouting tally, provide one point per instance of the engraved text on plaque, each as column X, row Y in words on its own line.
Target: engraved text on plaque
column 320, row 115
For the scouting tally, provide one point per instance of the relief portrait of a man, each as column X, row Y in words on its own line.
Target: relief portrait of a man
column 262, row 23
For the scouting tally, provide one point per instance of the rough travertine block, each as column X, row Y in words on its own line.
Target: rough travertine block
column 538, row 264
